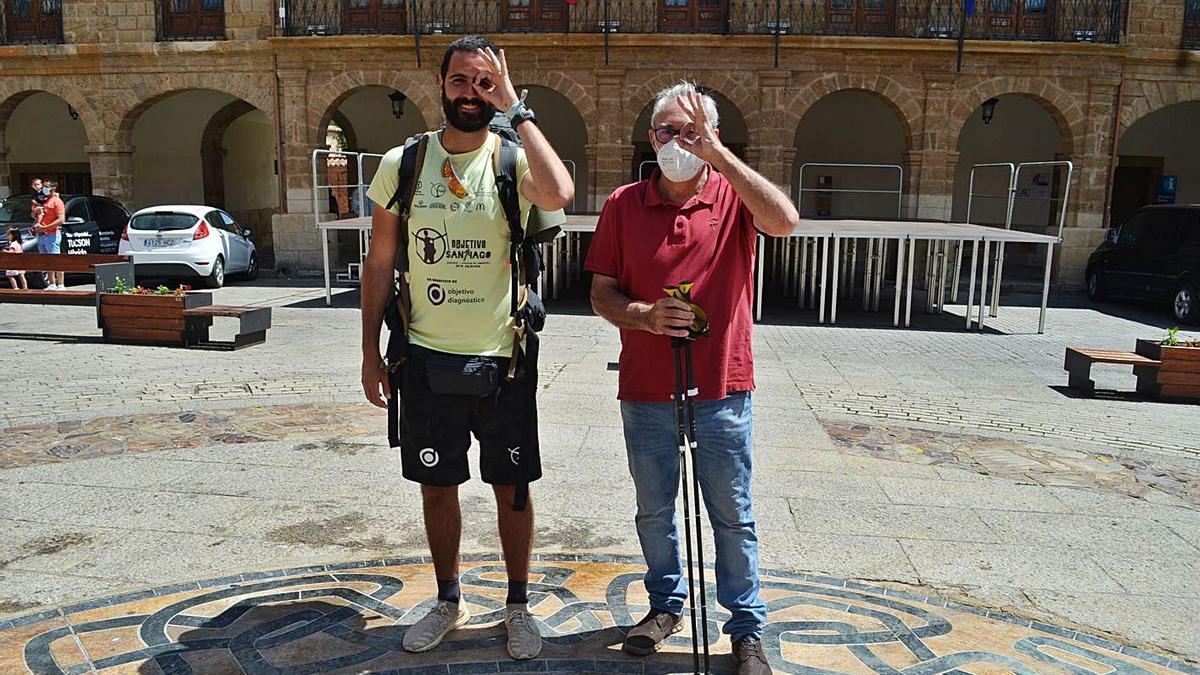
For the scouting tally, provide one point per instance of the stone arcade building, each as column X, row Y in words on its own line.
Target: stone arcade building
column 161, row 101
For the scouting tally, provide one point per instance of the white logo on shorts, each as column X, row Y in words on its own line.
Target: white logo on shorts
column 429, row 457
column 514, row 455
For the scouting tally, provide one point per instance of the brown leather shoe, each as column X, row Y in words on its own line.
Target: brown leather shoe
column 748, row 652
column 647, row 636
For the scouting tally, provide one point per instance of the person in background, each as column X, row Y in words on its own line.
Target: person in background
column 16, row 278
column 53, row 212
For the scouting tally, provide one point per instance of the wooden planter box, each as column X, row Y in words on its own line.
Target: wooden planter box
column 150, row 319
column 1179, row 375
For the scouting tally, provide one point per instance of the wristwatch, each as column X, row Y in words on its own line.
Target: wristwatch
column 520, row 113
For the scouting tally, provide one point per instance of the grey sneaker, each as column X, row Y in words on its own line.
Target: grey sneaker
column 429, row 631
column 524, row 640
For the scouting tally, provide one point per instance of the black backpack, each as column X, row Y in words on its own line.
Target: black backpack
column 525, row 251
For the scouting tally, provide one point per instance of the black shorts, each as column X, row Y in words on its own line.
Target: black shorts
column 435, row 429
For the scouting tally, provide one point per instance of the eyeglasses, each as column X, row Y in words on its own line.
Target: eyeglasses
column 665, row 134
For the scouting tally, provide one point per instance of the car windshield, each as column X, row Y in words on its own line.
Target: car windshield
column 16, row 210
column 163, row 222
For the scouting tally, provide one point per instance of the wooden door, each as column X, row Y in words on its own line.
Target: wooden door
column 536, row 15
column 858, row 17
column 33, row 20
column 688, row 16
column 375, row 16
column 1028, row 19
column 193, row 19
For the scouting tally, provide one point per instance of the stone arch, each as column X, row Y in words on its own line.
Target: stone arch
column 14, row 98
column 211, row 151
column 569, row 86
column 245, row 89
column 419, row 86
column 1154, row 96
column 1065, row 108
column 739, row 92
column 902, row 101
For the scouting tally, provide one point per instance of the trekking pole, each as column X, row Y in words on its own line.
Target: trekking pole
column 691, row 395
column 677, row 346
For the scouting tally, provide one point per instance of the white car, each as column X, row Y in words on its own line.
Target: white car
column 189, row 241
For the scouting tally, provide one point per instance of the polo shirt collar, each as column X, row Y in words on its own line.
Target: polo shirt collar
column 707, row 195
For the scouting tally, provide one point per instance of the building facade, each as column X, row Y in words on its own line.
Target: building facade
column 223, row 101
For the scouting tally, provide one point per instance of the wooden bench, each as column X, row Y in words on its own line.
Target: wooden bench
column 253, row 323
column 1078, row 364
column 106, row 268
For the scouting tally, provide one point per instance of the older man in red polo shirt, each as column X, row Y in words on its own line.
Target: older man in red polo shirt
column 695, row 219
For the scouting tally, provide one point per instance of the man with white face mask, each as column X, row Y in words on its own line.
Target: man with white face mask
column 695, row 219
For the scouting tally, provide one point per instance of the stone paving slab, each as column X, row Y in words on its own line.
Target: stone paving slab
column 949, row 461
column 351, row 618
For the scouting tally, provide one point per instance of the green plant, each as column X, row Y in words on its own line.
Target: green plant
column 121, row 286
column 162, row 290
column 1172, row 339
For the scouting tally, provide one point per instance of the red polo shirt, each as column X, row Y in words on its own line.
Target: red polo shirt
column 646, row 242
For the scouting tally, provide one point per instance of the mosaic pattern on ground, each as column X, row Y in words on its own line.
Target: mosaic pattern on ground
column 1039, row 463
column 108, row 436
column 351, row 618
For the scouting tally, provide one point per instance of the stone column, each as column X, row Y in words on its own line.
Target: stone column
column 611, row 150
column 933, row 164
column 1087, row 209
column 5, row 174
column 774, row 152
column 112, row 173
column 297, row 242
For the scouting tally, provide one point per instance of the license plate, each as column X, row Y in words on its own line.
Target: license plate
column 159, row 243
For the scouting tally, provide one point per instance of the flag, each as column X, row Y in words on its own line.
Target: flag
column 968, row 5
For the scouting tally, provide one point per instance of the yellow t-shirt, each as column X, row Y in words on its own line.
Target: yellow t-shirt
column 458, row 267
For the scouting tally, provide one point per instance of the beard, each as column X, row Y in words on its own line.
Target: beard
column 464, row 121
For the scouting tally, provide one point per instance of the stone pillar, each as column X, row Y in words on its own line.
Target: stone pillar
column 297, row 242
column 931, row 167
column 592, row 200
column 5, row 174
column 775, row 150
column 611, row 150
column 112, row 173
column 1087, row 209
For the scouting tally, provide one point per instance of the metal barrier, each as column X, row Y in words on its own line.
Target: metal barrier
column 800, row 258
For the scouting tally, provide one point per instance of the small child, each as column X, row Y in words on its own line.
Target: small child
column 14, row 246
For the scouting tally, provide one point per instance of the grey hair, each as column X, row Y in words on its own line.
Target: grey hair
column 663, row 98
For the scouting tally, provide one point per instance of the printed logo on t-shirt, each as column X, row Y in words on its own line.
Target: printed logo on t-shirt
column 431, row 244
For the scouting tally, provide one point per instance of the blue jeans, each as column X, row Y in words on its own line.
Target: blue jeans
column 723, row 431
column 47, row 243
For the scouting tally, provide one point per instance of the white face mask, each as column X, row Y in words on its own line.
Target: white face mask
column 677, row 164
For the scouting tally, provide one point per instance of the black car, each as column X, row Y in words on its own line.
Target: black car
column 93, row 224
column 1155, row 256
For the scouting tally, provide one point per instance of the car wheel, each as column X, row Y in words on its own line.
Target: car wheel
column 252, row 268
column 1095, row 286
column 1186, row 310
column 216, row 278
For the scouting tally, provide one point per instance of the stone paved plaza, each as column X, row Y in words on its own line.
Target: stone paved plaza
column 928, row 499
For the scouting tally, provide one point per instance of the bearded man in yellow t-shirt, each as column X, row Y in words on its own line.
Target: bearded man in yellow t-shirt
column 460, row 325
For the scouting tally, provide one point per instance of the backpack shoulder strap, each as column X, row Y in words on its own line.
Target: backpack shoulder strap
column 406, row 187
column 413, row 157
column 504, row 164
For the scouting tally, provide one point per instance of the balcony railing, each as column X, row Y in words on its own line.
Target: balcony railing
column 190, row 19
column 33, row 21
column 1053, row 20
column 1191, row 24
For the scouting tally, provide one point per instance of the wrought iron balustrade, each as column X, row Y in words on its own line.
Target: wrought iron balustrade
column 1053, row 20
